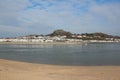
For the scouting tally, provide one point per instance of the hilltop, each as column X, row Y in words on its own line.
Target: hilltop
column 60, row 32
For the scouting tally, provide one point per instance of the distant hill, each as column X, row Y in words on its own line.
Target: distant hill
column 83, row 36
column 60, row 32
column 97, row 36
column 88, row 36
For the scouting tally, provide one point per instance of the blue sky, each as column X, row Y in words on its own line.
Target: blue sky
column 22, row 17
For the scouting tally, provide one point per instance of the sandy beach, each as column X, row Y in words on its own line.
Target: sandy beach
column 14, row 70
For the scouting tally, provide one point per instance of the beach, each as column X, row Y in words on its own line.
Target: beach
column 14, row 70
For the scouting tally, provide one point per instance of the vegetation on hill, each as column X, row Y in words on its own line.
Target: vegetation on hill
column 60, row 32
column 85, row 36
column 96, row 36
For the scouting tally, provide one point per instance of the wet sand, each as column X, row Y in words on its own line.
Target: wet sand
column 13, row 70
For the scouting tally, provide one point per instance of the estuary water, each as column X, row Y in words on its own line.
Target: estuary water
column 93, row 54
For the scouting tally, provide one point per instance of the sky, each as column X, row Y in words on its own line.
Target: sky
column 23, row 17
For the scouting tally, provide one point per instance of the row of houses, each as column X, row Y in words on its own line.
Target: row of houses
column 41, row 38
column 34, row 38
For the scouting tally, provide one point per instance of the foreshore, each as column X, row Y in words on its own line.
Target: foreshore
column 40, row 42
column 14, row 70
column 82, row 42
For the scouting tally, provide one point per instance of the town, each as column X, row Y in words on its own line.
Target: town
column 63, row 36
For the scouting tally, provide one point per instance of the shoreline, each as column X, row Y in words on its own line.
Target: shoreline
column 41, row 43
column 14, row 70
column 27, row 43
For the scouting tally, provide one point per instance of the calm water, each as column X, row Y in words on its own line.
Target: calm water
column 91, row 54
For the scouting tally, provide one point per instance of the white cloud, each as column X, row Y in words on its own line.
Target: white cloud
column 10, row 10
column 109, row 11
column 43, row 16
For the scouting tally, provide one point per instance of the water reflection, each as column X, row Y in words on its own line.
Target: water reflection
column 31, row 46
column 91, row 54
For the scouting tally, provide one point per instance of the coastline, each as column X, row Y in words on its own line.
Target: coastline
column 41, row 43
column 14, row 70
column 82, row 42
